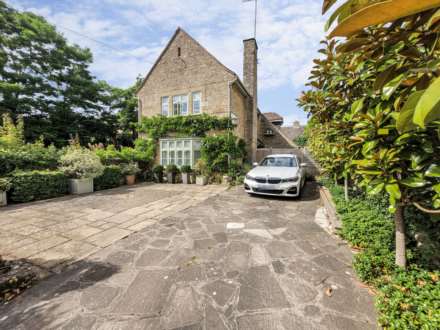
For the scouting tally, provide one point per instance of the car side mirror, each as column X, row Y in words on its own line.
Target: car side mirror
column 303, row 165
column 255, row 164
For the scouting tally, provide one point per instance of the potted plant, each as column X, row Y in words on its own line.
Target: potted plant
column 5, row 185
column 158, row 173
column 186, row 174
column 172, row 171
column 201, row 172
column 81, row 166
column 130, row 170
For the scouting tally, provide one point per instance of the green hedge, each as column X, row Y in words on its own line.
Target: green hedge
column 28, row 157
column 111, row 178
column 36, row 185
column 406, row 299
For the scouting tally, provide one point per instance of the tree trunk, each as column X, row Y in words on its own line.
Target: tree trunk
column 400, row 237
column 346, row 187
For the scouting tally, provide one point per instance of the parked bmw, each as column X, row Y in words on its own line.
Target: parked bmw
column 276, row 175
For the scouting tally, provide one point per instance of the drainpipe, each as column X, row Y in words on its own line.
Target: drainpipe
column 230, row 117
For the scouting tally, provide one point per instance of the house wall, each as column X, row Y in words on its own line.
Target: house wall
column 274, row 141
column 195, row 70
column 241, row 106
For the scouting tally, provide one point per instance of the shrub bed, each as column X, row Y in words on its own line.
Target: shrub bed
column 36, row 185
column 406, row 299
column 111, row 178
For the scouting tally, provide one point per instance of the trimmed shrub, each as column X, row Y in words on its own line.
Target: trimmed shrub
column 36, row 185
column 185, row 169
column 80, row 163
column 158, row 173
column 110, row 178
column 410, row 300
column 28, row 157
column 131, row 168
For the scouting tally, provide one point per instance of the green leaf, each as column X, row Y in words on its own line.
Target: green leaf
column 404, row 122
column 374, row 190
column 437, row 188
column 433, row 171
column 428, row 107
column 383, row 131
column 394, row 190
column 357, row 106
column 391, row 87
column 414, row 182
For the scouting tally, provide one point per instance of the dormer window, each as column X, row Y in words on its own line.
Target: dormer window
column 268, row 132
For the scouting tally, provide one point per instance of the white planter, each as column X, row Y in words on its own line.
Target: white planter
column 186, row 178
column 201, row 180
column 226, row 179
column 3, row 199
column 80, row 186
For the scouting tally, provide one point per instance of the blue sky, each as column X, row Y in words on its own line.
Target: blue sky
column 130, row 34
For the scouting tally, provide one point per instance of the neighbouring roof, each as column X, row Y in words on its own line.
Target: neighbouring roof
column 292, row 132
column 273, row 117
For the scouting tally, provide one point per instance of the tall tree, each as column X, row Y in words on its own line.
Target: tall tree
column 48, row 81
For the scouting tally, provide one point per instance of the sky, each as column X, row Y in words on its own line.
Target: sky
column 127, row 36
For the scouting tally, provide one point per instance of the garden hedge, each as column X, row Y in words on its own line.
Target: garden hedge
column 406, row 299
column 36, row 185
column 111, row 178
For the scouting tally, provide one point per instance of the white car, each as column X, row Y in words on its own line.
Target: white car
column 276, row 175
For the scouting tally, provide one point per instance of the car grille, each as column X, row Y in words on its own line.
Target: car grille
column 260, row 180
column 267, row 191
column 274, row 180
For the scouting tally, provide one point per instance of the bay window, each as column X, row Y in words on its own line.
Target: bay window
column 179, row 151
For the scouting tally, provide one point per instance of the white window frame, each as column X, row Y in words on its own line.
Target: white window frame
column 167, row 106
column 193, row 94
column 178, row 102
column 173, row 147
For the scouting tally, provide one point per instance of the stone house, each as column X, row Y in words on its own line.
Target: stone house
column 187, row 80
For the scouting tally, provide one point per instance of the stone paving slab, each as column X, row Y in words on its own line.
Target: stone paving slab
column 64, row 230
column 229, row 262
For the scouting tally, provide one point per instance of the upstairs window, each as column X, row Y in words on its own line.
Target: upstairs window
column 165, row 106
column 196, row 103
column 180, row 105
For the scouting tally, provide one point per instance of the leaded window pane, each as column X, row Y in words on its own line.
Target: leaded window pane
column 196, row 102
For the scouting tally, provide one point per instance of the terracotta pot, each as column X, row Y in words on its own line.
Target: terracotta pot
column 130, row 179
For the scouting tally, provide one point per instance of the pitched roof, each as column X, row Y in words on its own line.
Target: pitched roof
column 180, row 30
column 273, row 116
column 292, row 132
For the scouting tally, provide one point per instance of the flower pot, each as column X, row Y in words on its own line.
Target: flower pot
column 226, row 179
column 3, row 198
column 186, row 178
column 171, row 177
column 201, row 180
column 80, row 186
column 158, row 178
column 130, row 179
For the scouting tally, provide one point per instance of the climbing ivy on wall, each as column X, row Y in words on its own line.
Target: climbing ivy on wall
column 195, row 125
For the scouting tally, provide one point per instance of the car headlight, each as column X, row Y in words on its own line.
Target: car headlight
column 248, row 177
column 293, row 179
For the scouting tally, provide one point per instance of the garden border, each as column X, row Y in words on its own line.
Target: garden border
column 329, row 205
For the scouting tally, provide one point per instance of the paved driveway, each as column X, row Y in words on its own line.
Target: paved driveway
column 228, row 262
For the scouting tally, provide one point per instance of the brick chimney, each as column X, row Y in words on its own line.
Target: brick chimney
column 250, row 81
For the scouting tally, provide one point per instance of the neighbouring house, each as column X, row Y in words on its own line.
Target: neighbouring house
column 187, row 80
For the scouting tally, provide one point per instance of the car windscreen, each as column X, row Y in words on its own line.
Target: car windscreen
column 279, row 162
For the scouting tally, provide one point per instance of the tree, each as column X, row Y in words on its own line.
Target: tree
column 47, row 81
column 375, row 110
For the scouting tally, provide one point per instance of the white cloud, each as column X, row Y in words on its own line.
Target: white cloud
column 132, row 33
